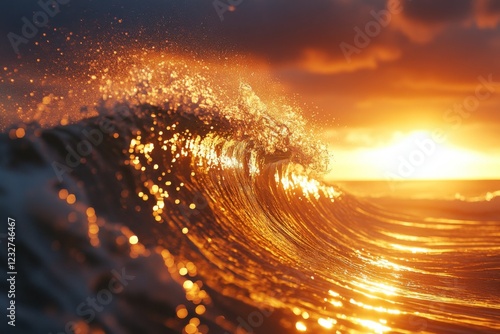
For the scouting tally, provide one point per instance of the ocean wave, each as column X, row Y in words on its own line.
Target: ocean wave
column 180, row 209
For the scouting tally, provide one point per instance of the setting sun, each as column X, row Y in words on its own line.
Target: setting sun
column 419, row 156
column 416, row 155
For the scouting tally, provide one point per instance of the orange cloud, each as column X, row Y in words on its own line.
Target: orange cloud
column 487, row 13
column 318, row 61
column 422, row 21
column 417, row 31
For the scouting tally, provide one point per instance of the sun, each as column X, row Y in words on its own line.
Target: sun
column 422, row 155
column 414, row 155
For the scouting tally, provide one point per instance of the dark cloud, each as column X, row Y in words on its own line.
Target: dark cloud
column 281, row 29
column 492, row 6
column 437, row 11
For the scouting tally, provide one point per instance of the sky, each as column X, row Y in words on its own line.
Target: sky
column 402, row 89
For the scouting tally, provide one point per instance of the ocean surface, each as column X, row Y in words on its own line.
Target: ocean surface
column 423, row 189
column 175, row 206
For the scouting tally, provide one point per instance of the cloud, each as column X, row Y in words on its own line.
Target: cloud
column 423, row 20
column 487, row 13
column 307, row 34
column 356, row 138
column 318, row 61
column 437, row 11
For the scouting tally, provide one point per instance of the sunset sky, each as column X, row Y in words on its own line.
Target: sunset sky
column 379, row 77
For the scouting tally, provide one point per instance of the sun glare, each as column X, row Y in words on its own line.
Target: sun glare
column 417, row 155
column 421, row 155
